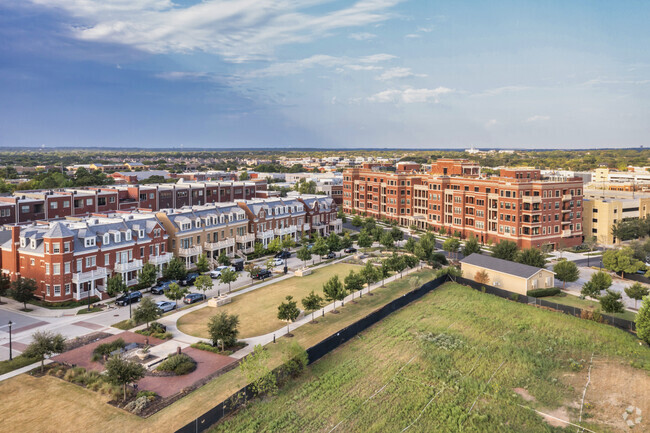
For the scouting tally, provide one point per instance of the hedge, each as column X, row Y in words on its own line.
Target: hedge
column 541, row 293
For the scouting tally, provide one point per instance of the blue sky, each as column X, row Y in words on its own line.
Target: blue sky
column 326, row 74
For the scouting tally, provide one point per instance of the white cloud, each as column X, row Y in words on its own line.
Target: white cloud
column 239, row 30
column 538, row 118
column 362, row 36
column 603, row 82
column 503, row 89
column 398, row 72
column 490, row 123
column 365, row 63
column 410, row 95
column 413, row 36
column 180, row 75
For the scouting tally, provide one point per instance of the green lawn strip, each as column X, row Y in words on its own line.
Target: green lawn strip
column 19, row 361
column 574, row 301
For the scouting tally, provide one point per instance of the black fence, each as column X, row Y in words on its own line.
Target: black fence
column 626, row 325
column 241, row 397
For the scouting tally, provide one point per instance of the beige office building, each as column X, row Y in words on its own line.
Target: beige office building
column 602, row 213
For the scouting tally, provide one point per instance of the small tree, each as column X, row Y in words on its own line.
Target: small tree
column 258, row 249
column 356, row 221
column 387, row 240
column 22, row 290
column 252, row 269
column 223, row 259
column 506, row 250
column 410, row 245
column 122, row 372
column 44, row 344
column 599, row 281
column 175, row 270
column 636, row 291
column 202, row 264
column 622, row 261
column 288, row 311
column 471, row 246
column 147, row 276
column 312, row 302
column 451, row 245
column 410, row 261
column 5, row 285
column 333, row 290
column 203, row 283
column 531, row 257
column 346, row 241
column 353, row 282
column 147, row 311
column 274, row 246
column 643, row 320
column 257, row 372
column 397, row 234
column 304, row 254
column 364, row 240
column 176, row 292
column 566, row 271
column 334, row 243
column 222, row 328
column 288, row 242
column 384, row 271
column 482, row 277
column 115, row 285
column 370, row 274
column 320, row 247
column 228, row 276
column 611, row 302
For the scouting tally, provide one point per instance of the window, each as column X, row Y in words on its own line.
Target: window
column 67, row 289
column 66, row 247
column 89, row 201
column 57, row 290
column 32, row 262
column 89, row 242
column 24, row 209
column 47, row 269
column 54, row 205
column 56, row 248
column 56, row 269
column 107, row 239
column 47, row 289
column 66, row 267
column 90, row 262
column 107, row 259
column 66, row 204
column 79, row 265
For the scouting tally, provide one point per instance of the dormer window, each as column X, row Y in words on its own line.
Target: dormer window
column 33, row 244
column 118, row 237
column 198, row 223
column 23, row 242
column 127, row 235
column 107, row 239
column 141, row 234
column 89, row 242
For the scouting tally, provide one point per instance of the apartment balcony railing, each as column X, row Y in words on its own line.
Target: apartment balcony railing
column 226, row 243
column 285, row 231
column 565, row 233
column 83, row 277
column 191, row 251
column 161, row 259
column 135, row 265
column 265, row 234
column 336, row 222
column 532, row 199
column 566, row 197
column 249, row 237
column 306, row 227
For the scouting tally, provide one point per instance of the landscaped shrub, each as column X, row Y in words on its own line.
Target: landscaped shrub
column 107, row 348
column 202, row 345
column 66, row 304
column 596, row 315
column 156, row 330
column 541, row 293
column 179, row 364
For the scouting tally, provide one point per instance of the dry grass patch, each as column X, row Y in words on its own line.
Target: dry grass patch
column 257, row 310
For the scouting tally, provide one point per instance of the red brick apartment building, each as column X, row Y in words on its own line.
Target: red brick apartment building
column 72, row 259
column 518, row 205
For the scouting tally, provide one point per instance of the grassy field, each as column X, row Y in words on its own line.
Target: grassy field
column 574, row 301
column 257, row 310
column 460, row 360
column 79, row 410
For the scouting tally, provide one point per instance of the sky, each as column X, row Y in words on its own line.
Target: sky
column 324, row 74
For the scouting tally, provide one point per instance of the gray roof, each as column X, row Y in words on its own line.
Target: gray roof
column 500, row 265
column 58, row 230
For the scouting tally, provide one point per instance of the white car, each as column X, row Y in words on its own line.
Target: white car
column 166, row 306
column 215, row 274
column 278, row 262
column 221, row 268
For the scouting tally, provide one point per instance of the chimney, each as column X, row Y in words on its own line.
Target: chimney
column 15, row 241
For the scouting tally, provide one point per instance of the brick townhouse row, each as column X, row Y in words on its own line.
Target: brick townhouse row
column 517, row 205
column 31, row 206
column 73, row 258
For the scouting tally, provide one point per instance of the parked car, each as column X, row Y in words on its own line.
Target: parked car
column 166, row 306
column 161, row 287
column 221, row 268
column 215, row 274
column 237, row 264
column 189, row 279
column 278, row 262
column 129, row 298
column 350, row 250
column 329, row 256
column 283, row 255
column 191, row 298
column 262, row 274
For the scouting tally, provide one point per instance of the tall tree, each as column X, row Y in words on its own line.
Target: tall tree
column 202, row 264
column 304, row 254
column 622, row 261
column 288, row 311
column 642, row 320
column 115, row 285
column 471, row 246
column 228, row 276
column 566, row 271
column 147, row 276
column 312, row 302
column 333, row 290
column 364, row 240
column 506, row 250
column 176, row 292
column 175, row 270
column 387, row 240
column 531, row 257
column 44, row 343
column 122, row 372
column 636, row 291
column 147, row 311
column 320, row 247
column 334, row 243
column 22, row 290
column 222, row 328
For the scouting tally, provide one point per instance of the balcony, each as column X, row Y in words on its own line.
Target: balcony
column 306, row 227
column 285, row 231
column 161, row 258
column 191, row 251
column 265, row 234
column 135, row 265
column 532, row 199
column 566, row 197
column 84, row 277
column 336, row 222
column 565, row 233
column 249, row 237
column 226, row 243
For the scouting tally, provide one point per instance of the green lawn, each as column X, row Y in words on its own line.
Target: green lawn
column 574, row 301
column 257, row 310
column 450, row 362
column 19, row 361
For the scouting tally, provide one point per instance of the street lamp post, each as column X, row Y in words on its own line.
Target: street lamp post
column 10, row 351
